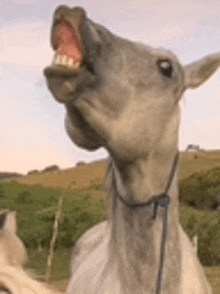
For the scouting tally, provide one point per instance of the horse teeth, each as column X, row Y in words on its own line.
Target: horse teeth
column 70, row 61
column 57, row 59
column 65, row 61
column 76, row 65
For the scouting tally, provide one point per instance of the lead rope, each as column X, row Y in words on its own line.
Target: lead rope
column 165, row 228
column 162, row 200
column 163, row 250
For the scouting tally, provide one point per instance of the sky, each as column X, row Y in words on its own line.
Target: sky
column 32, row 134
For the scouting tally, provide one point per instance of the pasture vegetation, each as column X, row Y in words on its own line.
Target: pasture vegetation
column 36, row 208
column 82, row 208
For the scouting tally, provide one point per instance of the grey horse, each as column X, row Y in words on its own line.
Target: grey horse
column 124, row 96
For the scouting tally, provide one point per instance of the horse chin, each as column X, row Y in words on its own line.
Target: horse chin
column 61, row 82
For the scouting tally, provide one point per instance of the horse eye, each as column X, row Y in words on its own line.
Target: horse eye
column 165, row 67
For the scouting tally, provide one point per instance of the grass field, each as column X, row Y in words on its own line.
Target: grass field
column 204, row 161
column 80, row 177
column 84, row 180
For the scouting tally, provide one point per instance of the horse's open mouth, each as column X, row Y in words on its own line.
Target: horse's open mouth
column 67, row 42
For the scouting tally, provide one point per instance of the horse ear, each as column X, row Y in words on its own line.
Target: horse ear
column 198, row 72
column 8, row 221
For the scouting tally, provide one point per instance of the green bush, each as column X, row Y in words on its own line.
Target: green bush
column 33, row 172
column 36, row 209
column 201, row 190
column 206, row 226
column 51, row 168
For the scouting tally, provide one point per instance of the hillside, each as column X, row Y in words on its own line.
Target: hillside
column 76, row 178
column 85, row 176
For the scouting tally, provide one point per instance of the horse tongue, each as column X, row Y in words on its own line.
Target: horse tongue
column 68, row 43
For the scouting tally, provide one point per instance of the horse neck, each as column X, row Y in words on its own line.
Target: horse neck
column 136, row 238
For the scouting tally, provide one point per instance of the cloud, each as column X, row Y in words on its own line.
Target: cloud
column 25, row 1
column 28, row 145
column 157, row 23
column 204, row 132
column 26, row 157
column 40, row 83
column 172, row 11
column 26, row 45
column 200, row 115
column 167, row 35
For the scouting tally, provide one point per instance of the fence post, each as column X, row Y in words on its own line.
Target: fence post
column 55, row 233
column 53, row 240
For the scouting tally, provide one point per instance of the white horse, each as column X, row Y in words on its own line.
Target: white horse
column 13, row 255
column 124, row 96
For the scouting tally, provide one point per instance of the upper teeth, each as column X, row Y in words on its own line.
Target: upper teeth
column 66, row 61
